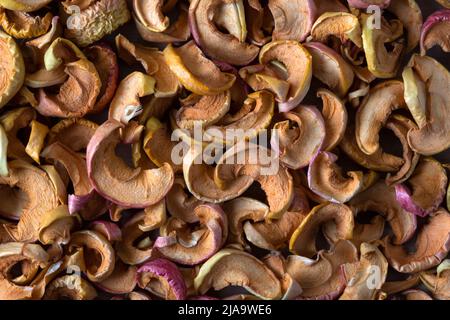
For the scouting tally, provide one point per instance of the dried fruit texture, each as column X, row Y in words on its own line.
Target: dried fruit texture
column 21, row 25
column 96, row 20
column 144, row 165
column 12, row 69
column 205, row 16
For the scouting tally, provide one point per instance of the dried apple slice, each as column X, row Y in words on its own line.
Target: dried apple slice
column 105, row 61
column 134, row 188
column 381, row 198
column 381, row 62
column 77, row 95
column 205, row 19
column 177, row 31
column 293, row 19
column 95, row 20
column 181, row 204
column 126, row 103
column 238, row 211
column 425, row 190
column 435, row 32
column 234, row 267
column 74, row 133
column 150, row 14
column 410, row 14
column 157, row 135
column 162, row 278
column 330, row 68
column 361, row 283
column 400, row 126
column 71, row 287
column 200, row 182
column 121, row 281
column 204, row 110
column 434, row 137
column 335, row 118
column 303, row 240
column 273, row 235
column 322, row 279
column 259, row 164
column 260, row 106
column 11, row 254
column 432, row 246
column 22, row 25
column 298, row 64
column 438, row 283
column 326, row 179
column 12, row 68
column 379, row 161
column 153, row 61
column 300, row 136
column 256, row 19
column 41, row 195
column 99, row 255
column 260, row 77
column 342, row 25
column 375, row 110
column 214, row 229
column 135, row 246
column 195, row 72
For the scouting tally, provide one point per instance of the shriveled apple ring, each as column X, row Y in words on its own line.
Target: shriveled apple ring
column 204, row 18
column 302, row 241
column 432, row 246
column 298, row 63
column 374, row 112
column 134, row 188
column 195, row 72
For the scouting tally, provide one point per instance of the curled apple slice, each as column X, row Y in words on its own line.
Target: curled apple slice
column 195, row 72
column 381, row 198
column 432, row 246
column 205, row 18
column 424, row 191
column 326, row 179
column 434, row 137
column 435, row 31
column 214, row 232
column 153, row 61
column 335, row 118
column 381, row 62
column 359, row 275
column 126, row 103
column 297, row 62
column 12, row 68
column 41, row 195
column 300, row 136
column 293, row 19
column 345, row 26
column 322, row 278
column 234, row 267
column 303, row 240
column 22, row 25
column 374, row 112
column 132, row 187
column 177, row 31
column 162, row 278
column 330, row 68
